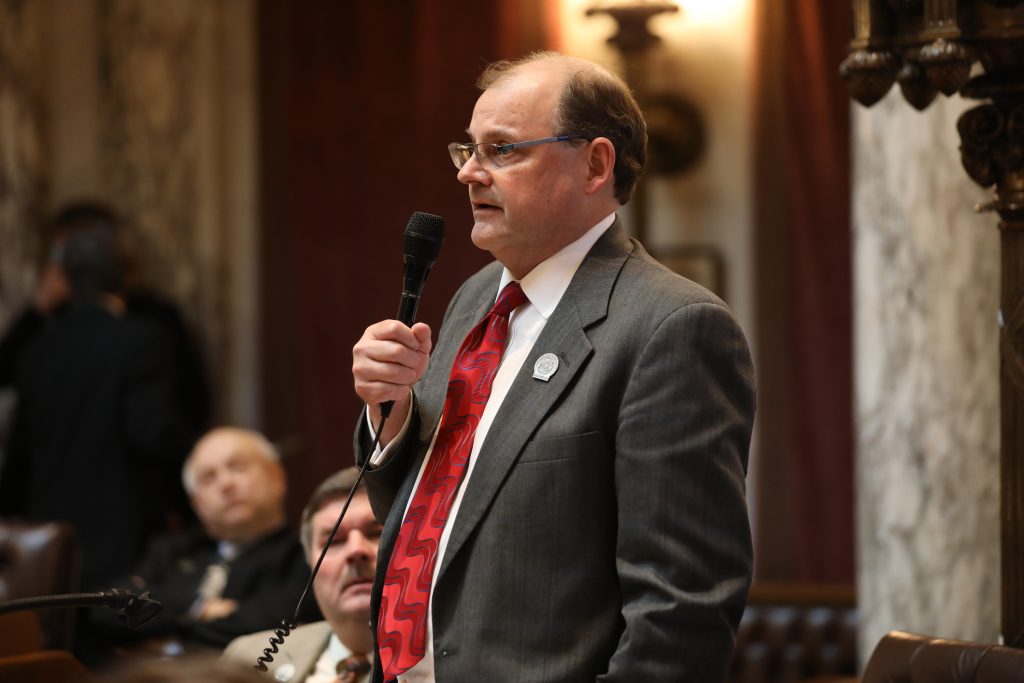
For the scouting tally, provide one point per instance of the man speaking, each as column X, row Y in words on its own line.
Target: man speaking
column 562, row 485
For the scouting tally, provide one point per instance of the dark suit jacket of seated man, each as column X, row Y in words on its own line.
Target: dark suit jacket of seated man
column 601, row 530
column 244, row 572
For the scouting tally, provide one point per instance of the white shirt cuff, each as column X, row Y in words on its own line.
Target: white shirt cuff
column 380, row 456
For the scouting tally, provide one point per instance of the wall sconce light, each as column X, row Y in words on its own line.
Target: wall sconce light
column 676, row 135
column 675, row 127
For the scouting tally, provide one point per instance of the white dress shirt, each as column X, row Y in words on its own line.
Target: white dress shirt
column 544, row 287
column 325, row 670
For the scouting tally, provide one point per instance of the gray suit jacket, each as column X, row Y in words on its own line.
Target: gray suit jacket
column 604, row 533
column 297, row 657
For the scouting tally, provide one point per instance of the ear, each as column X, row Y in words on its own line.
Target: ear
column 276, row 472
column 600, row 165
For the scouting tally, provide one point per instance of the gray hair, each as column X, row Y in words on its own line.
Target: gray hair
column 257, row 442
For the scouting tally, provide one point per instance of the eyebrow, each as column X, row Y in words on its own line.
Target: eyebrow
column 494, row 133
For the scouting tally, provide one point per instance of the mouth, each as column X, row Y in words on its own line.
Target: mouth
column 484, row 206
column 358, row 584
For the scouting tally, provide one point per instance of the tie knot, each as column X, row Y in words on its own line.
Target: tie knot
column 352, row 668
column 511, row 298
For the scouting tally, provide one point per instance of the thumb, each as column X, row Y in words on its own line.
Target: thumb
column 422, row 333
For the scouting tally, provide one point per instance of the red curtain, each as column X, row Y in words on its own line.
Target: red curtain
column 358, row 103
column 805, row 309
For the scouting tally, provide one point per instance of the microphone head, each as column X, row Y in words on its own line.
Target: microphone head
column 423, row 238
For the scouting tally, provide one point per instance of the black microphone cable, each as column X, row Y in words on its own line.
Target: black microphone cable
column 424, row 236
column 285, row 627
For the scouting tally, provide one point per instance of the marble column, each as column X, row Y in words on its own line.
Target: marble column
column 23, row 168
column 926, row 279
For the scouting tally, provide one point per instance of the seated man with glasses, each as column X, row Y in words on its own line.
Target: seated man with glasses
column 562, row 485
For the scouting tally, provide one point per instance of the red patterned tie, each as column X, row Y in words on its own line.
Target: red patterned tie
column 402, row 630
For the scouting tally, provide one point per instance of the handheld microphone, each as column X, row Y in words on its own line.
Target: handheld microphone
column 424, row 236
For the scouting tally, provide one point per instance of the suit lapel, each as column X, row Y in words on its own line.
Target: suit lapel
column 529, row 400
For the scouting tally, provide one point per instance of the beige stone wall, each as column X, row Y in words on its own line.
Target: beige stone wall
column 23, row 170
column 178, row 155
column 926, row 371
column 150, row 106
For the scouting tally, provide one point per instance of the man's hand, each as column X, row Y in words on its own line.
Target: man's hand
column 217, row 608
column 386, row 361
column 53, row 290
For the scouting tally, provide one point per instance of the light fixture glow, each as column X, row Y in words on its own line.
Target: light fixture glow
column 713, row 12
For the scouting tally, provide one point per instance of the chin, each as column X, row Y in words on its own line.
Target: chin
column 490, row 238
column 479, row 236
column 357, row 608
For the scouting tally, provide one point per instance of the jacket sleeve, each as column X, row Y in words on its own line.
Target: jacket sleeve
column 157, row 572
column 383, row 482
column 15, row 465
column 15, row 340
column 267, row 594
column 683, row 548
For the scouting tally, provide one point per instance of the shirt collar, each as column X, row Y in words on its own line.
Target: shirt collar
column 547, row 282
column 336, row 649
column 227, row 550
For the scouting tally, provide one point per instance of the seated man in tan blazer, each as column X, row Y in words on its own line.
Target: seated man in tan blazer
column 335, row 649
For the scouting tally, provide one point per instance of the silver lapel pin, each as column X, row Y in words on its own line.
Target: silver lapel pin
column 545, row 366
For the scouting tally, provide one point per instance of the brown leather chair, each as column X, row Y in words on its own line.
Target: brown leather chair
column 795, row 632
column 36, row 559
column 22, row 659
column 909, row 658
column 45, row 666
column 19, row 633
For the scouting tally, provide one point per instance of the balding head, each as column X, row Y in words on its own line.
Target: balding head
column 594, row 102
column 236, row 484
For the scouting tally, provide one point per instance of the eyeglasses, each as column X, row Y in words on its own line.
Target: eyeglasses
column 491, row 154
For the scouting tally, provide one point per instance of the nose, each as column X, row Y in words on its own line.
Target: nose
column 357, row 547
column 474, row 172
column 226, row 481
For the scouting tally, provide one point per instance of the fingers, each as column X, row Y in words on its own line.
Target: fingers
column 52, row 290
column 217, row 608
column 388, row 359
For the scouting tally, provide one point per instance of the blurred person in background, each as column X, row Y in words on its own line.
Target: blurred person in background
column 190, row 395
column 96, row 421
column 243, row 572
column 340, row 648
